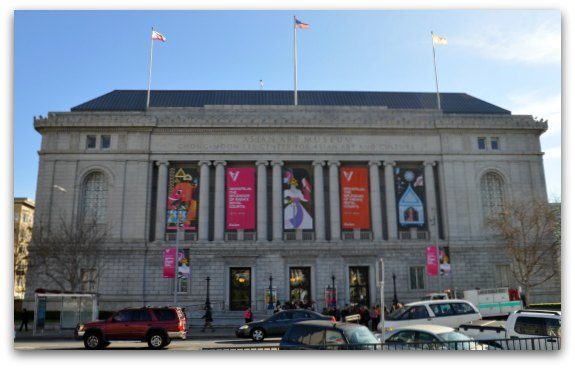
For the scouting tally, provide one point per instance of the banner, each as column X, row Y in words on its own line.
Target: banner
column 431, row 261
column 184, row 264
column 355, row 198
column 169, row 262
column 330, row 296
column 444, row 261
column 298, row 199
column 183, row 198
column 410, row 194
column 240, row 198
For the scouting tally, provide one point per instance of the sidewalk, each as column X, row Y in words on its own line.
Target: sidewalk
column 194, row 333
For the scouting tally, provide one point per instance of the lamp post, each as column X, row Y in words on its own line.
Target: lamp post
column 395, row 301
column 208, row 293
column 177, row 260
column 271, row 302
column 334, row 302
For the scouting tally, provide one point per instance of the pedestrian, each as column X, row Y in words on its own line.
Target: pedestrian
column 373, row 317
column 208, row 319
column 248, row 316
column 24, row 320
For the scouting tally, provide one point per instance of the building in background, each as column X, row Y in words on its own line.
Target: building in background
column 288, row 201
column 23, row 223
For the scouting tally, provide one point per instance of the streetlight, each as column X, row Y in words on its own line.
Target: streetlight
column 395, row 301
column 208, row 293
column 271, row 303
column 177, row 260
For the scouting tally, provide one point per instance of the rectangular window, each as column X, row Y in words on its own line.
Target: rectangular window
column 416, row 277
column 240, row 288
column 494, row 143
column 90, row 141
column 300, row 285
column 105, row 141
column 88, row 280
column 502, row 273
column 183, row 271
column 359, row 285
column 481, row 143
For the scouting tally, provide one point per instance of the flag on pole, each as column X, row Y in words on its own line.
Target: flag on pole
column 438, row 40
column 158, row 36
column 301, row 25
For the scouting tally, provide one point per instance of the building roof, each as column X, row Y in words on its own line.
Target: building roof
column 26, row 201
column 135, row 100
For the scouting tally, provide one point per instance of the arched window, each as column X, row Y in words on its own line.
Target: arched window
column 95, row 197
column 491, row 194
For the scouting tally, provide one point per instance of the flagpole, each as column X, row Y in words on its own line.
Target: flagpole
column 435, row 68
column 295, row 60
column 150, row 72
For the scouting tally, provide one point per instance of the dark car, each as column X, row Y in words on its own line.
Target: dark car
column 277, row 324
column 327, row 335
column 155, row 325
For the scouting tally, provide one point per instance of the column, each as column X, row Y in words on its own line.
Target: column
column 390, row 201
column 319, row 212
column 277, row 208
column 219, row 200
column 262, row 201
column 161, row 199
column 375, row 200
column 204, row 214
column 431, row 205
column 334, row 200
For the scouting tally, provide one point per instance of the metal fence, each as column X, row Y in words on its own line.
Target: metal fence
column 542, row 343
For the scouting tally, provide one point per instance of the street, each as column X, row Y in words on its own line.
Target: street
column 175, row 345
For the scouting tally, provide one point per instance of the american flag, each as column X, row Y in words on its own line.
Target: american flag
column 300, row 24
column 158, row 36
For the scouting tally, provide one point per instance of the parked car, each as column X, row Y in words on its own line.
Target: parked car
column 430, row 337
column 525, row 329
column 450, row 313
column 155, row 325
column 277, row 324
column 328, row 335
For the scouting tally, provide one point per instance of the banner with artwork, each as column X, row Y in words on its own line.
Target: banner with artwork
column 240, row 198
column 444, row 261
column 169, row 261
column 297, row 199
column 183, row 187
column 431, row 260
column 354, row 182
column 410, row 195
column 184, row 264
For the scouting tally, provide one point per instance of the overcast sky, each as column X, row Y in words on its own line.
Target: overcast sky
column 509, row 58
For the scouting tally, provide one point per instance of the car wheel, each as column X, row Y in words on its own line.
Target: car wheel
column 93, row 340
column 258, row 334
column 156, row 340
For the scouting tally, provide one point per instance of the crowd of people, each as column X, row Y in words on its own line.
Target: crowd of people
column 369, row 317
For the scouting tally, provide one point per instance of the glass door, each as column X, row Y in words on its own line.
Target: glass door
column 359, row 285
column 240, row 288
column 300, row 285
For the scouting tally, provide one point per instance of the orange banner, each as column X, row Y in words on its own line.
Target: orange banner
column 354, row 198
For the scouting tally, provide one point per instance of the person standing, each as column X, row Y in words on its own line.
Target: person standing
column 248, row 316
column 24, row 319
column 208, row 319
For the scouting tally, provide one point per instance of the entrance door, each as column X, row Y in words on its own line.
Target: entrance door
column 300, row 285
column 240, row 288
column 359, row 285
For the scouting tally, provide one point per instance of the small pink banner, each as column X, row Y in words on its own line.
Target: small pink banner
column 169, row 262
column 432, row 261
column 241, row 200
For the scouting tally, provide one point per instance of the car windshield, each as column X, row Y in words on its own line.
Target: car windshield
column 454, row 336
column 396, row 314
column 360, row 335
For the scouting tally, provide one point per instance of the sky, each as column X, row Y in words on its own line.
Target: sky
column 511, row 58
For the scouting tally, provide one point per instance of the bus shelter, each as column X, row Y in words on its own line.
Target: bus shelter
column 73, row 308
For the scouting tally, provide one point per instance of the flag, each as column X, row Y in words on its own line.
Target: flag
column 300, row 24
column 438, row 40
column 158, row 36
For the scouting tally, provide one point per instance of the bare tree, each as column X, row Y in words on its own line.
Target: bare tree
column 531, row 230
column 69, row 254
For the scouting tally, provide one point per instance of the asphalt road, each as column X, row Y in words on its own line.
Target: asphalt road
column 175, row 345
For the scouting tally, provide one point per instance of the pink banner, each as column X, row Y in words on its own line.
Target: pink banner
column 432, row 261
column 169, row 262
column 240, row 198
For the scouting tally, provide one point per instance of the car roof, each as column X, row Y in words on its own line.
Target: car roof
column 435, row 329
column 427, row 302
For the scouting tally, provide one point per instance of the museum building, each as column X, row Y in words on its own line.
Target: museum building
column 300, row 202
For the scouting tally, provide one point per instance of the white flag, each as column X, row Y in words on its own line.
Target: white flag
column 438, row 40
column 158, row 36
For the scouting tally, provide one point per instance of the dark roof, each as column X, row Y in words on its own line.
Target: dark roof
column 135, row 100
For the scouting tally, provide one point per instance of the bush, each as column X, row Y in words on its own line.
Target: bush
column 548, row 306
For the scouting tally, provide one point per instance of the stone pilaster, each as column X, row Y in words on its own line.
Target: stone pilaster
column 204, row 213
column 375, row 199
column 161, row 199
column 219, row 200
column 262, row 201
column 334, row 210
column 319, row 213
column 277, row 208
column 390, row 201
column 430, row 199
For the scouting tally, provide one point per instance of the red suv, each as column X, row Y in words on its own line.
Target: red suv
column 155, row 325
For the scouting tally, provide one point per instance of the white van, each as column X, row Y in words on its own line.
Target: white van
column 450, row 313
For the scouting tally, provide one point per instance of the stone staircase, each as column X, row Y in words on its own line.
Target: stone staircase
column 222, row 318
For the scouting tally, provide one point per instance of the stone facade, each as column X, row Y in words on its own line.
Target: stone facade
column 144, row 145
